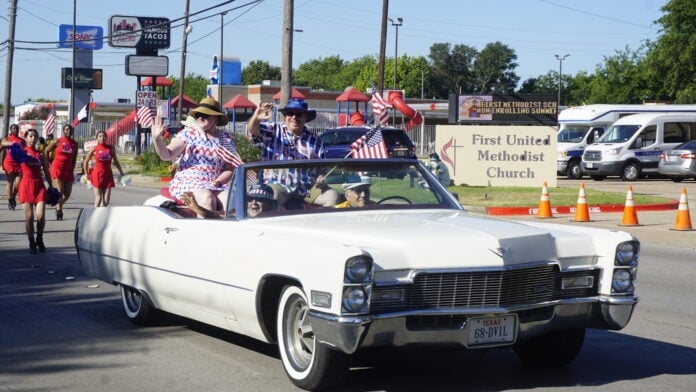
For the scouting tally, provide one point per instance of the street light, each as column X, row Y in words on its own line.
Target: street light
column 560, row 76
column 220, row 67
column 396, row 23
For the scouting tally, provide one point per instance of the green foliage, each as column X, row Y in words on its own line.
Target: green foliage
column 151, row 163
column 322, row 73
column 246, row 149
column 258, row 71
column 195, row 86
column 494, row 69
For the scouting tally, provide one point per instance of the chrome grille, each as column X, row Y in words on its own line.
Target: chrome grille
column 467, row 290
column 592, row 155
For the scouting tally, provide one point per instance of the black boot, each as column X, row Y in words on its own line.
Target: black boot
column 40, row 244
column 59, row 215
column 11, row 204
column 32, row 247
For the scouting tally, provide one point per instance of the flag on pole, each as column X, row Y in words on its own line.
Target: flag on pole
column 81, row 115
column 369, row 145
column 379, row 109
column 50, row 123
column 228, row 153
column 145, row 117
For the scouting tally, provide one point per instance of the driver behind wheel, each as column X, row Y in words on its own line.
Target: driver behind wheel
column 357, row 192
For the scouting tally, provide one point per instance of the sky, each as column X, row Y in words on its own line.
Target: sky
column 537, row 30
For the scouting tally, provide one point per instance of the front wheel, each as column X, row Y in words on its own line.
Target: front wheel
column 574, row 171
column 631, row 172
column 138, row 308
column 554, row 349
column 309, row 364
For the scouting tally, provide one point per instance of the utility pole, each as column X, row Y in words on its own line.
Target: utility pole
column 182, row 74
column 286, row 66
column 8, row 70
column 222, row 37
column 382, row 47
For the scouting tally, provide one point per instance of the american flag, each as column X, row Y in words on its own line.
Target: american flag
column 145, row 117
column 227, row 152
column 50, row 123
column 369, row 145
column 379, row 109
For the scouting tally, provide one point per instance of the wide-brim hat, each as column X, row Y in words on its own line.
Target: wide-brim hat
column 210, row 107
column 357, row 182
column 300, row 105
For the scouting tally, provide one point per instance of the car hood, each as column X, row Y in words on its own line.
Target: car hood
column 438, row 239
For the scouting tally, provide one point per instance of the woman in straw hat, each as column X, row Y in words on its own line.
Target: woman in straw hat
column 205, row 168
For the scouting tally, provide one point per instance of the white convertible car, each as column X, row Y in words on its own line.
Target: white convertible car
column 406, row 266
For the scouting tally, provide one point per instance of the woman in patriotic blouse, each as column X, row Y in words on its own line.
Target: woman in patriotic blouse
column 206, row 155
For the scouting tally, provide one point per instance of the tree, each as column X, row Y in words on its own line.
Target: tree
column 195, row 87
column 450, row 69
column 671, row 59
column 621, row 79
column 258, row 71
column 494, row 69
column 322, row 73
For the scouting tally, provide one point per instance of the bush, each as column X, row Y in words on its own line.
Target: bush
column 151, row 163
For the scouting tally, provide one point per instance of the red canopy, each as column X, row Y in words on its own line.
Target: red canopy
column 239, row 102
column 161, row 81
column 188, row 102
column 352, row 95
column 293, row 94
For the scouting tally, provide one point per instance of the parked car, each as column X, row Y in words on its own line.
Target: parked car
column 410, row 267
column 680, row 163
column 337, row 142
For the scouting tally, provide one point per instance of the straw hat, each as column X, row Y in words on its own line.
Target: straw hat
column 210, row 107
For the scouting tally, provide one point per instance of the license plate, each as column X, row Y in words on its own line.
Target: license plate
column 589, row 165
column 671, row 158
column 491, row 331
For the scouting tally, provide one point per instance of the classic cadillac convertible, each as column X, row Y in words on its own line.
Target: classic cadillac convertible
column 409, row 266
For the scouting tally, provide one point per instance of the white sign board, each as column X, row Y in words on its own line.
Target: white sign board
column 146, row 98
column 492, row 155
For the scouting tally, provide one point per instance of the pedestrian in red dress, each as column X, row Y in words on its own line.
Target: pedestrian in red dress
column 63, row 166
column 102, row 178
column 11, row 167
column 32, row 192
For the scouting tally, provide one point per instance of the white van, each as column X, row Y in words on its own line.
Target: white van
column 580, row 126
column 631, row 147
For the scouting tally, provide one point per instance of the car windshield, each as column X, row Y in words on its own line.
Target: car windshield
column 339, row 138
column 572, row 134
column 338, row 185
column 618, row 133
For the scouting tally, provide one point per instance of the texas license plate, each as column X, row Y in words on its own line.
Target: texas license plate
column 494, row 330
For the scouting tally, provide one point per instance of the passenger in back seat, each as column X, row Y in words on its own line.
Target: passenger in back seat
column 259, row 200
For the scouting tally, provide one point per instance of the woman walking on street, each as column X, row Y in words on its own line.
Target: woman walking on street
column 102, row 178
column 11, row 167
column 31, row 191
column 63, row 166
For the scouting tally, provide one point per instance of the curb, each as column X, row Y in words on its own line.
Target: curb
column 571, row 209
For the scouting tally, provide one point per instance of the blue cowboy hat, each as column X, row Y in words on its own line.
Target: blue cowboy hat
column 299, row 105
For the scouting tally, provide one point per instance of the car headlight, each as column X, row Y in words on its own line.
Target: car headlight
column 354, row 299
column 622, row 281
column 358, row 269
column 614, row 151
column 562, row 154
column 627, row 253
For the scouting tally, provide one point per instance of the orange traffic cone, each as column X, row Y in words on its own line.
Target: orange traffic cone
column 683, row 222
column 544, row 204
column 630, row 218
column 582, row 213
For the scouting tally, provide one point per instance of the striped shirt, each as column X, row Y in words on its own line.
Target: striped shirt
column 279, row 144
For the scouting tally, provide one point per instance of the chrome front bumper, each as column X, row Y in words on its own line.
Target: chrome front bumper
column 348, row 334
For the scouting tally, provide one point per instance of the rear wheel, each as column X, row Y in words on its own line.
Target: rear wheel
column 677, row 179
column 631, row 172
column 574, row 171
column 554, row 349
column 138, row 308
column 309, row 364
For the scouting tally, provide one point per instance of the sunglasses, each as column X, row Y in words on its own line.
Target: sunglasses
column 295, row 113
column 201, row 116
column 256, row 199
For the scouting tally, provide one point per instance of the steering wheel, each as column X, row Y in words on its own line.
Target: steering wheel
column 395, row 198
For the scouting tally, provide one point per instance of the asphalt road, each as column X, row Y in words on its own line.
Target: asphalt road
column 60, row 331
